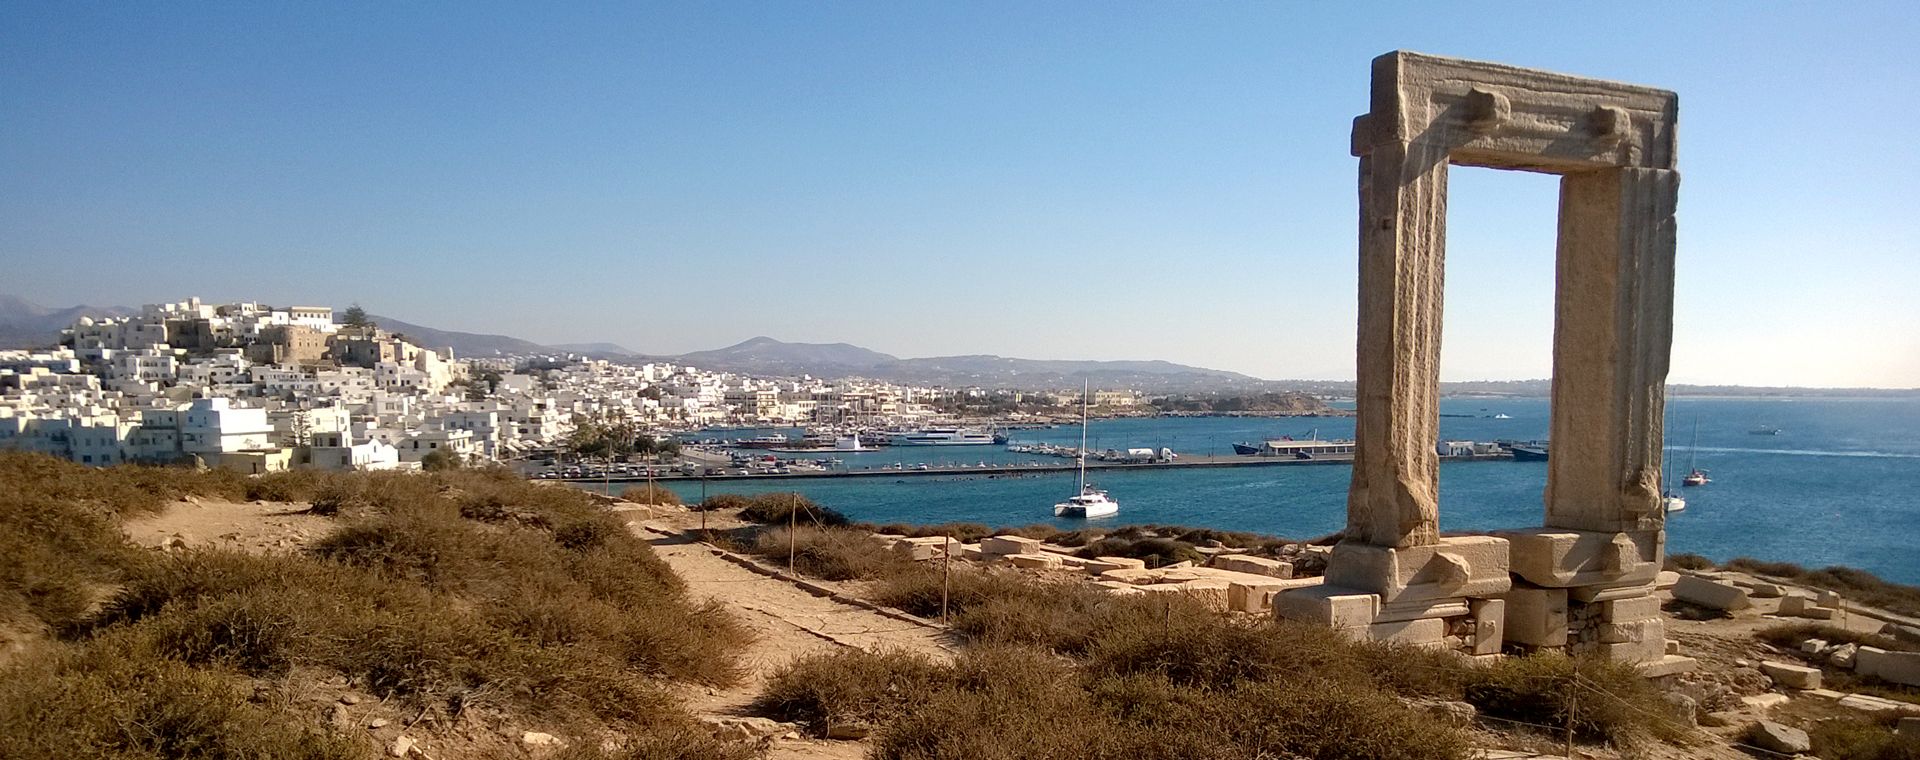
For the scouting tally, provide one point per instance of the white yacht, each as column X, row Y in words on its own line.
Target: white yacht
column 1090, row 502
column 943, row 437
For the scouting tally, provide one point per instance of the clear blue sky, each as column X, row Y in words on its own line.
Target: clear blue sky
column 1049, row 180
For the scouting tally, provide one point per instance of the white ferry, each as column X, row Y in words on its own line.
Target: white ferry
column 1287, row 447
column 943, row 437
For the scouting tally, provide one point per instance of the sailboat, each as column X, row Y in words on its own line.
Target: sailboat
column 1670, row 500
column 1695, row 476
column 1090, row 502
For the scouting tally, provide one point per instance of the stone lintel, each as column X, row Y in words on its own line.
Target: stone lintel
column 1506, row 117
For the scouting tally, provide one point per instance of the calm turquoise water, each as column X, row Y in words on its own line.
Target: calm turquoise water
column 1839, row 485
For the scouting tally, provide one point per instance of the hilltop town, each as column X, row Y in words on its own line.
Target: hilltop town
column 261, row 388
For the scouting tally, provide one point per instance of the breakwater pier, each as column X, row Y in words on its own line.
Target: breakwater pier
column 1012, row 469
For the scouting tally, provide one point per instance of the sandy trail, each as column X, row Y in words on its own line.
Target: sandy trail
column 788, row 623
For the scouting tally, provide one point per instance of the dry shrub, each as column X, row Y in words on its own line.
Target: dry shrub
column 1862, row 738
column 1603, row 700
column 965, row 533
column 124, row 490
column 851, row 686
column 1788, row 636
column 918, row 589
column 723, row 501
column 1036, row 532
column 650, row 494
column 1006, row 704
column 1683, row 561
column 107, row 699
column 1855, row 585
column 1155, row 551
column 54, row 558
column 553, row 612
column 835, row 554
column 784, row 508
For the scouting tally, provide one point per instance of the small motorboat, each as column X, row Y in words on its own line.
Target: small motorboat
column 1696, row 478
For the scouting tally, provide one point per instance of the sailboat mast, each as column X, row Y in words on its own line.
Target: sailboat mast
column 1084, row 393
column 1693, row 449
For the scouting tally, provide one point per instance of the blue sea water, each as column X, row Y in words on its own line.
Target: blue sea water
column 1840, row 485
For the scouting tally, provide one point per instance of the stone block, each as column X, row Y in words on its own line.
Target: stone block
column 1647, row 650
column 1100, row 565
column 971, row 551
column 1276, row 568
column 1457, row 566
column 1609, row 593
column 1212, row 594
column 1767, row 701
column 1711, row 594
column 1562, row 558
column 1812, row 646
column 921, row 549
column 1426, row 632
column 1792, row 676
column 1665, row 579
column 1536, row 616
column 1117, row 588
column 1668, row 665
column 1830, row 599
column 1035, row 561
column 1257, row 596
column 1429, row 608
column 1896, row 667
column 1630, row 609
column 1008, row 545
column 1764, row 590
column 1489, row 624
column 1774, row 737
column 1634, row 632
column 1330, row 606
column 1908, row 728
column 1907, row 633
column 1872, row 704
column 1794, row 605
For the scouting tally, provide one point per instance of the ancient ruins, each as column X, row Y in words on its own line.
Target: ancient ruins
column 1585, row 580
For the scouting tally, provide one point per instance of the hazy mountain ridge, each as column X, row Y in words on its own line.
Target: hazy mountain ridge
column 24, row 324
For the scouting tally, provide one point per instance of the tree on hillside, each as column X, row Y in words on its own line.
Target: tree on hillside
column 355, row 316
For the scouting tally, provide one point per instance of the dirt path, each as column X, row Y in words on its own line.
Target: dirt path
column 788, row 623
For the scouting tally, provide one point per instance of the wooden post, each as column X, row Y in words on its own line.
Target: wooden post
column 1573, row 706
column 703, row 500
column 793, row 520
column 946, row 575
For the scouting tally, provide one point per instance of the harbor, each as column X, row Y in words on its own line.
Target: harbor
column 1028, row 467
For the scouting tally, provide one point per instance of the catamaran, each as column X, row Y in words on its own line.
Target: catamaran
column 1090, row 502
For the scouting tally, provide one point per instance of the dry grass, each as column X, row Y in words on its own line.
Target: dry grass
column 446, row 592
column 835, row 554
column 1862, row 738
column 650, row 494
column 1855, row 585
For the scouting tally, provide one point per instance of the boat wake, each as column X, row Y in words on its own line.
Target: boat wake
column 1814, row 453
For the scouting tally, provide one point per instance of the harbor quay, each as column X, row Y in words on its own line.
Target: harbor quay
column 1020, row 468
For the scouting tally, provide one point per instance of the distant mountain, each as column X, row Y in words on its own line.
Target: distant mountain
column 464, row 344
column 766, row 356
column 600, row 349
column 24, row 324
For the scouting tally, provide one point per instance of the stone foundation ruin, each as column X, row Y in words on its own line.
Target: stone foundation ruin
column 1585, row 580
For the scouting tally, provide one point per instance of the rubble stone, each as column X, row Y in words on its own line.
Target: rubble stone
column 1711, row 594
column 1792, row 676
column 1774, row 737
column 1896, row 667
